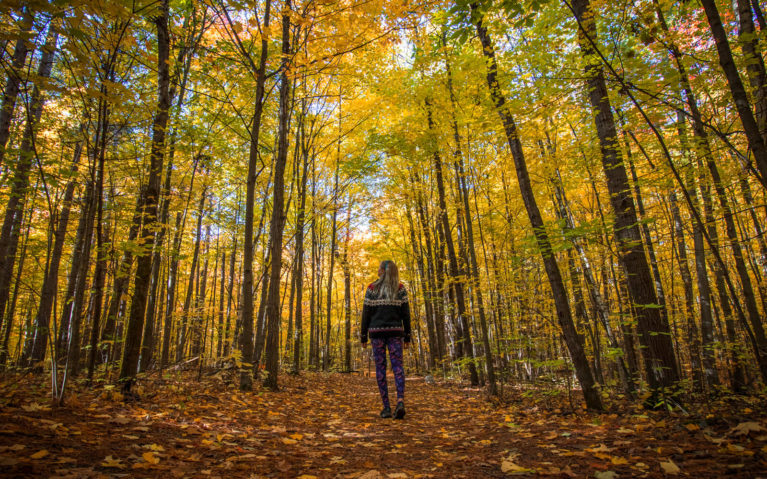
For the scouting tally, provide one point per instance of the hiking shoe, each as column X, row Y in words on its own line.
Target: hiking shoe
column 399, row 413
column 386, row 412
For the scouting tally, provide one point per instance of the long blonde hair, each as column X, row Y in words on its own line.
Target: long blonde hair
column 387, row 284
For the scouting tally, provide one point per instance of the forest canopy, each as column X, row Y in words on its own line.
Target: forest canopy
column 574, row 190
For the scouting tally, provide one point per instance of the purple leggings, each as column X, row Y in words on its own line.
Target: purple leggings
column 395, row 355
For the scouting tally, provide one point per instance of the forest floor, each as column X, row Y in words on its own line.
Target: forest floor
column 327, row 425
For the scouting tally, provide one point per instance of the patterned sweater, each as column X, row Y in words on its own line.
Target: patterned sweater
column 384, row 318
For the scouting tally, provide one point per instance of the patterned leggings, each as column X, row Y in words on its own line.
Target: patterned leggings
column 395, row 354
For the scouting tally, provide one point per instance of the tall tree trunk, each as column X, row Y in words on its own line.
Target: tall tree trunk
column 150, row 197
column 572, row 339
column 101, row 254
column 654, row 332
column 246, row 335
column 300, row 223
column 273, row 315
column 347, row 293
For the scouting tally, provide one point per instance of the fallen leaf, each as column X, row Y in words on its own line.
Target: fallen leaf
column 509, row 467
column 39, row 454
column 670, row 468
column 287, row 440
column 602, row 448
column 605, row 475
column 297, row 436
column 619, row 461
column 151, row 458
column 111, row 462
column 34, row 407
column 744, row 428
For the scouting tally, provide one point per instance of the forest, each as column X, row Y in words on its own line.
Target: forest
column 196, row 194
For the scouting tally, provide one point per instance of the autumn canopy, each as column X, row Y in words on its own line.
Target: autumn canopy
column 575, row 192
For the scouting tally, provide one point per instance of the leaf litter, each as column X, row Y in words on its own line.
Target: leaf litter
column 326, row 426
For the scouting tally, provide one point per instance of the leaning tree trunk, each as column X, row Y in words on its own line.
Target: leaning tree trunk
column 573, row 341
column 742, row 104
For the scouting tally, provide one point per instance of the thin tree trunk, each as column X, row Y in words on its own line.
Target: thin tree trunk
column 185, row 323
column 455, row 273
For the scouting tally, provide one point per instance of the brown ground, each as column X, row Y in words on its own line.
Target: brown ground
column 327, row 425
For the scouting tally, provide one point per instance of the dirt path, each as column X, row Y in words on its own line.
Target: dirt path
column 327, row 425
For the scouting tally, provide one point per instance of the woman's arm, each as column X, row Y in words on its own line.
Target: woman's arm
column 367, row 313
column 405, row 314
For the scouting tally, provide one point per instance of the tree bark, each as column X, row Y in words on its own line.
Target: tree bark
column 246, row 334
column 273, row 309
column 150, row 197
column 654, row 332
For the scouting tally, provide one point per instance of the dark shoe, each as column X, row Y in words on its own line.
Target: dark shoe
column 386, row 412
column 399, row 413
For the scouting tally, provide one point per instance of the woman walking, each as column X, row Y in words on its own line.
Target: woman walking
column 386, row 319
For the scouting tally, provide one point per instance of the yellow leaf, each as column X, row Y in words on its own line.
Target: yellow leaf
column 619, row 461
column 744, row 428
column 111, row 462
column 155, row 447
column 307, row 476
column 508, row 467
column 670, row 468
column 692, row 427
column 286, row 440
column 39, row 454
column 151, row 458
column 297, row 436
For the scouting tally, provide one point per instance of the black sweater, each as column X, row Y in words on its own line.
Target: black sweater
column 385, row 318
